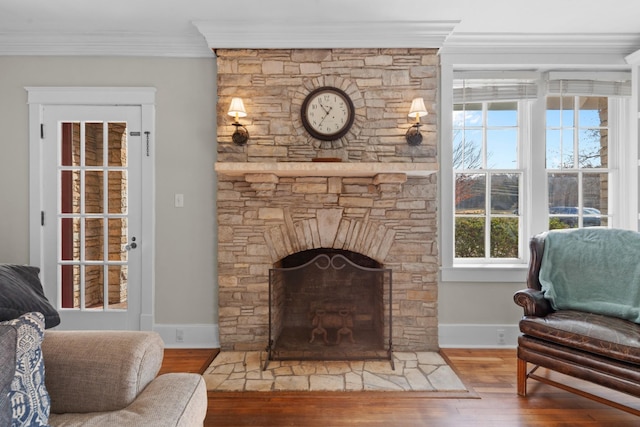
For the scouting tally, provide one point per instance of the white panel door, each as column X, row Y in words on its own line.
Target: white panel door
column 91, row 215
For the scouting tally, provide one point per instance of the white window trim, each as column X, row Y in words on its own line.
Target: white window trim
column 534, row 193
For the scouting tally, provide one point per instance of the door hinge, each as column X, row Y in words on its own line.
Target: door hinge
column 41, row 130
column 42, row 218
column 147, row 133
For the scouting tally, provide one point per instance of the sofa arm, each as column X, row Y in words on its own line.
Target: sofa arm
column 95, row 371
column 533, row 302
column 171, row 400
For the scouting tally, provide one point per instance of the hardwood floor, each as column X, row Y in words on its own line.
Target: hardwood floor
column 490, row 373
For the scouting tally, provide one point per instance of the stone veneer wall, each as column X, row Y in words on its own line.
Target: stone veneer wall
column 390, row 217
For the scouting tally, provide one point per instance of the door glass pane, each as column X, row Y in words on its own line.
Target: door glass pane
column 117, row 144
column 94, row 286
column 94, row 239
column 117, row 239
column 93, row 188
column 117, row 192
column 94, row 151
column 70, row 144
column 118, row 286
column 70, row 241
column 70, row 279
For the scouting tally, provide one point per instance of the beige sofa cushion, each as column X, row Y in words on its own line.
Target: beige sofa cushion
column 97, row 371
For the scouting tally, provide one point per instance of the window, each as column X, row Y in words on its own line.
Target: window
column 577, row 156
column 529, row 151
column 488, row 172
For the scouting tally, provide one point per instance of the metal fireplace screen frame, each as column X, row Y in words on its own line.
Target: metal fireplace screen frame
column 329, row 308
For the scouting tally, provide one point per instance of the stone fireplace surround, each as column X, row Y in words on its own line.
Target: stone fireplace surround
column 379, row 201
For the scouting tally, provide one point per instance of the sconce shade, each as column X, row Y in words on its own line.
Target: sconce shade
column 236, row 108
column 417, row 108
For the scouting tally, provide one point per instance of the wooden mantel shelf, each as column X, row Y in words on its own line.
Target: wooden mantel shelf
column 324, row 168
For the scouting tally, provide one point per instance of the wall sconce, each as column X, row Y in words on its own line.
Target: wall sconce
column 414, row 137
column 236, row 109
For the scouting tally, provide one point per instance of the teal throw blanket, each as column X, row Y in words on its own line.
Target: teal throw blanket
column 593, row 269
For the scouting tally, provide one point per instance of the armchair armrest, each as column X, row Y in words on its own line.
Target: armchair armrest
column 94, row 371
column 533, row 302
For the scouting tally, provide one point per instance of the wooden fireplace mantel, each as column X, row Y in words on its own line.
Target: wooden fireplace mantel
column 324, row 168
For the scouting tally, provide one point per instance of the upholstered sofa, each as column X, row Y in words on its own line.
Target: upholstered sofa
column 582, row 311
column 83, row 378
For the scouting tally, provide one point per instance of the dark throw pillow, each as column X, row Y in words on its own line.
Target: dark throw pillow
column 21, row 292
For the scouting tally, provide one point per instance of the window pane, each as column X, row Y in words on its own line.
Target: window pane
column 563, row 190
column 502, row 149
column 593, row 111
column 502, row 114
column 467, row 149
column 554, row 151
column 595, row 193
column 469, row 237
column 591, row 143
column 470, row 193
column 504, row 238
column 504, row 193
column 472, row 115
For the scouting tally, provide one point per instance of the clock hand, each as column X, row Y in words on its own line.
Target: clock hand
column 326, row 115
column 323, row 107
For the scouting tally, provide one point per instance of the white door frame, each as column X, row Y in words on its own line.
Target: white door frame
column 37, row 98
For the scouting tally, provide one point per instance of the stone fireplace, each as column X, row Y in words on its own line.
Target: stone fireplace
column 279, row 195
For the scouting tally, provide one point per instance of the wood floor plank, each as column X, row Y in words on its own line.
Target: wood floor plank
column 490, row 372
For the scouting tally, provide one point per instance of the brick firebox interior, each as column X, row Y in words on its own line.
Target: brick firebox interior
column 378, row 197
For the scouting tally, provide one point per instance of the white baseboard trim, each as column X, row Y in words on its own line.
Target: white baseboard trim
column 189, row 336
column 477, row 336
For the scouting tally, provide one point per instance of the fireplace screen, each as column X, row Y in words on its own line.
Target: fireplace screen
column 331, row 307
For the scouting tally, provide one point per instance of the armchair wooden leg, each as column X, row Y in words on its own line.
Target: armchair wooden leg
column 522, row 377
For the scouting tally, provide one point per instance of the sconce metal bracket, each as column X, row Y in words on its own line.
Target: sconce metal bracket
column 413, row 135
column 241, row 134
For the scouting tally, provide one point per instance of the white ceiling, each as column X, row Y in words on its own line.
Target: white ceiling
column 193, row 27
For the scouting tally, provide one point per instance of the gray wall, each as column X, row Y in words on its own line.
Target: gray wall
column 185, row 290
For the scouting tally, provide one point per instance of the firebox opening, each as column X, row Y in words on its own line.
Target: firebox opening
column 329, row 304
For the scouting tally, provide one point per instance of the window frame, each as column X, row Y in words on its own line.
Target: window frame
column 534, row 218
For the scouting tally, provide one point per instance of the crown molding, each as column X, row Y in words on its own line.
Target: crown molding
column 543, row 43
column 324, row 35
column 633, row 58
column 103, row 44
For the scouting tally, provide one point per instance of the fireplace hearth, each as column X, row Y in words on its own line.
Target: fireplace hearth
column 328, row 304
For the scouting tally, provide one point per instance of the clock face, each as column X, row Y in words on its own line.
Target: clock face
column 327, row 113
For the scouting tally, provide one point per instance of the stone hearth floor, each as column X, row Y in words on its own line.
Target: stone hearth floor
column 414, row 371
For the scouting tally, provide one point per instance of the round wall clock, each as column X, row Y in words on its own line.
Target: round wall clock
column 327, row 113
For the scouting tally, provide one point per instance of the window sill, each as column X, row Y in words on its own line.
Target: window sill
column 485, row 273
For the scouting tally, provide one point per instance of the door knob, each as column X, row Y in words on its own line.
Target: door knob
column 131, row 245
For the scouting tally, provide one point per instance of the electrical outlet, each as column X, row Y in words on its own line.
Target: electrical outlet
column 500, row 336
column 179, row 335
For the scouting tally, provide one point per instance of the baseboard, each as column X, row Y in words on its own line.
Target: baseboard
column 478, row 336
column 189, row 336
